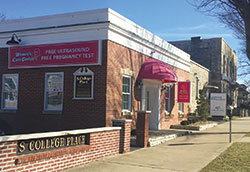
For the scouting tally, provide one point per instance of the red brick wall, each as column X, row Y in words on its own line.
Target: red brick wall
column 102, row 144
column 174, row 117
column 76, row 113
column 125, row 133
column 122, row 57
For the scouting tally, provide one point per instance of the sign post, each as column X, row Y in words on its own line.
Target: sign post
column 218, row 107
column 218, row 104
column 230, row 109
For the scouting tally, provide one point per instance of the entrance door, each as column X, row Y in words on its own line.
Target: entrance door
column 152, row 103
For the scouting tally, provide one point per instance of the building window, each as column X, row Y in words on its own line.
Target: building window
column 83, row 84
column 180, row 107
column 147, row 98
column 53, row 91
column 126, row 93
column 224, row 64
column 9, row 91
column 196, row 87
column 167, row 99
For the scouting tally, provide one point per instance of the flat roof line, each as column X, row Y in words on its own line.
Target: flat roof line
column 54, row 27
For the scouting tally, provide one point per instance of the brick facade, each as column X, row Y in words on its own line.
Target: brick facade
column 120, row 57
column 102, row 144
column 30, row 116
column 117, row 61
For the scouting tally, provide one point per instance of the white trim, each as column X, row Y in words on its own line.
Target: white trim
column 45, row 91
column 100, row 52
column 17, row 85
column 164, row 51
column 143, row 99
column 54, row 134
column 81, row 72
column 130, row 94
column 159, row 108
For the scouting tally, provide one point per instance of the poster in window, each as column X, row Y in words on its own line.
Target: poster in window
column 83, row 86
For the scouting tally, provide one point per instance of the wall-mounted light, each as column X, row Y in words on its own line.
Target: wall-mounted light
column 138, row 83
column 14, row 40
column 84, row 69
column 152, row 52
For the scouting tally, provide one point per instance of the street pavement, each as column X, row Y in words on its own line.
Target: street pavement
column 188, row 153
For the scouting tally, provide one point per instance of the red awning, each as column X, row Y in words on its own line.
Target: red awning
column 155, row 69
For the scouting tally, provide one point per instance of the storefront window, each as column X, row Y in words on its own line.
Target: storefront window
column 10, row 91
column 196, row 87
column 180, row 107
column 167, row 99
column 53, row 91
column 126, row 93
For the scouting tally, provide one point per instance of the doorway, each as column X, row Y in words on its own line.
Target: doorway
column 152, row 103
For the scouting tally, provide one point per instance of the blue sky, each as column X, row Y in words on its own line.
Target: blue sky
column 170, row 19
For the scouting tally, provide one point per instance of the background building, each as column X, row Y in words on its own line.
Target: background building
column 199, row 77
column 243, row 101
column 216, row 55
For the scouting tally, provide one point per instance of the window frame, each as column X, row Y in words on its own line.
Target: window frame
column 196, row 87
column 45, row 91
column 167, row 109
column 130, row 94
column 3, row 107
column 181, row 110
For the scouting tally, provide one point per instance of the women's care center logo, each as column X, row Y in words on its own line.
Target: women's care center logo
column 28, row 56
column 61, row 54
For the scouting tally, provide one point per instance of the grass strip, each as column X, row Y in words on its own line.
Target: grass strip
column 235, row 159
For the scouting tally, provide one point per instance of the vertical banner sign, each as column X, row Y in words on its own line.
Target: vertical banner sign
column 218, row 104
column 54, row 55
column 183, row 92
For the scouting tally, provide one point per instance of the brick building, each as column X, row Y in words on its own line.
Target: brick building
column 217, row 56
column 80, row 70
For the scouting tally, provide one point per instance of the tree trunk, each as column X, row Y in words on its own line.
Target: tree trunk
column 247, row 28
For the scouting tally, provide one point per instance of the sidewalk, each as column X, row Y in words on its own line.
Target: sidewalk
column 184, row 154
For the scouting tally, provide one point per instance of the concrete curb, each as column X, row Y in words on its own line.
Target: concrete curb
column 196, row 128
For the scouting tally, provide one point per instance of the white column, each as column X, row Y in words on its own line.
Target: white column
column 143, row 97
column 159, row 107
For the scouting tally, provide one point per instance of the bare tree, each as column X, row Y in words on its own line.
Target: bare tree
column 234, row 13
